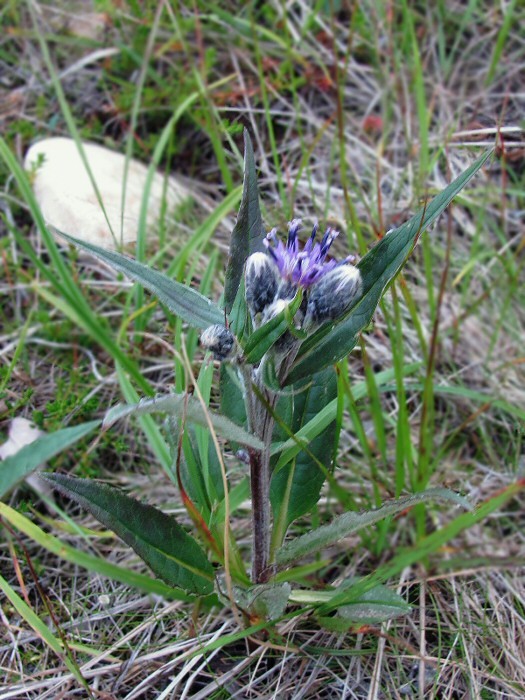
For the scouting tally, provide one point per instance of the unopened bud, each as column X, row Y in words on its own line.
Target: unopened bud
column 261, row 282
column 287, row 290
column 243, row 456
column 274, row 309
column 287, row 340
column 332, row 295
column 219, row 340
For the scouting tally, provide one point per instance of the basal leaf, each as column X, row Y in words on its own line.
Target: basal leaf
column 190, row 406
column 424, row 547
column 267, row 601
column 372, row 607
column 378, row 268
column 247, row 235
column 30, row 457
column 157, row 538
column 190, row 305
column 294, row 489
column 97, row 564
column 348, row 523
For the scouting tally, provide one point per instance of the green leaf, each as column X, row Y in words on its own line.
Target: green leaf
column 269, row 376
column 201, row 476
column 190, row 305
column 267, row 601
column 406, row 557
column 348, row 523
column 232, row 399
column 377, row 605
column 294, row 489
column 30, row 457
column 239, row 318
column 87, row 561
column 261, row 340
column 159, row 541
column 378, row 268
column 373, row 607
column 248, row 234
column 182, row 404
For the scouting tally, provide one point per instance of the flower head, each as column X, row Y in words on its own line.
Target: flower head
column 332, row 296
column 302, row 267
column 261, row 282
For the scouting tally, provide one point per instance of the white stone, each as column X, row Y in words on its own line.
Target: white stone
column 21, row 433
column 68, row 200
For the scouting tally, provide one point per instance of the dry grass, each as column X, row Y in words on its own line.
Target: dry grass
column 465, row 638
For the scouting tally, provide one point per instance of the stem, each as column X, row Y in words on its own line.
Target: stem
column 261, row 423
column 260, row 486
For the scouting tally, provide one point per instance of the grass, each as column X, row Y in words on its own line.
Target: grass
column 358, row 112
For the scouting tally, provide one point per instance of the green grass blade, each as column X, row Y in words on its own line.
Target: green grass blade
column 58, row 275
column 149, row 426
column 30, row 457
column 42, row 630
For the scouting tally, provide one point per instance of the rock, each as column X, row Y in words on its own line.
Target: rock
column 21, row 433
column 68, row 200
column 76, row 17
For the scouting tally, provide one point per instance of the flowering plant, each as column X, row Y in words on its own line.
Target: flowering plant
column 289, row 313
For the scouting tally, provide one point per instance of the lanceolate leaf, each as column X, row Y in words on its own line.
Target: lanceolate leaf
column 423, row 548
column 378, row 268
column 232, row 399
column 180, row 404
column 159, row 541
column 97, row 564
column 373, row 607
column 348, row 523
column 247, row 235
column 190, row 305
column 294, row 489
column 29, row 458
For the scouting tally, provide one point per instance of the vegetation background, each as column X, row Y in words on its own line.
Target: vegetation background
column 358, row 111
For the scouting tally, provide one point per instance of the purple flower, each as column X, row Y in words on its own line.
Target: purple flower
column 304, row 267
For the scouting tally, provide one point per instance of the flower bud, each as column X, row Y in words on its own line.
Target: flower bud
column 273, row 310
column 287, row 340
column 332, row 295
column 261, row 282
column 219, row 340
